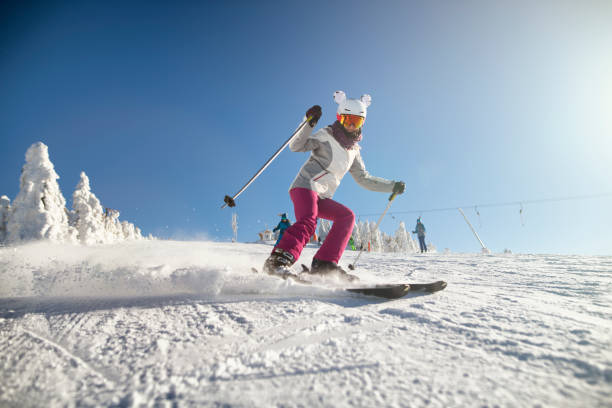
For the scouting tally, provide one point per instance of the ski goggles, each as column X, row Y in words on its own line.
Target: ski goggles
column 354, row 120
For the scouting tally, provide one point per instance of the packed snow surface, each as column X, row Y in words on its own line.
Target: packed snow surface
column 161, row 323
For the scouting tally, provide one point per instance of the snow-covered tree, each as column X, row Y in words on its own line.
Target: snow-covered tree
column 357, row 236
column 94, row 224
column 389, row 243
column 375, row 238
column 364, row 233
column 88, row 215
column 401, row 241
column 130, row 232
column 5, row 208
column 39, row 210
column 112, row 225
column 404, row 241
column 324, row 227
column 401, row 237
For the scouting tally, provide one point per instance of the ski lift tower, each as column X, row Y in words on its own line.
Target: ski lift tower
column 485, row 250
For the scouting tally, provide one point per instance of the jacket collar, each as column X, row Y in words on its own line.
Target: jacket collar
column 346, row 139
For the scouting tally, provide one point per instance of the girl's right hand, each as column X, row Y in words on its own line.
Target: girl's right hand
column 315, row 114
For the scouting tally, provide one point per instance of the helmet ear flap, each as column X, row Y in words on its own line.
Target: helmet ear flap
column 339, row 97
column 366, row 99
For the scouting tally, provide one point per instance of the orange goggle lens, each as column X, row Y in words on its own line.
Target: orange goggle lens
column 354, row 120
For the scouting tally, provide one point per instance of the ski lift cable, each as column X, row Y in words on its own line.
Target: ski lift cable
column 504, row 204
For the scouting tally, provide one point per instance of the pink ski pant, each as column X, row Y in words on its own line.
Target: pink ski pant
column 308, row 207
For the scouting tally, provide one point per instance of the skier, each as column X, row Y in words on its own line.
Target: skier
column 282, row 226
column 352, row 244
column 419, row 229
column 334, row 151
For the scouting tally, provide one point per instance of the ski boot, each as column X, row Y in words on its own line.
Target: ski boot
column 327, row 268
column 279, row 263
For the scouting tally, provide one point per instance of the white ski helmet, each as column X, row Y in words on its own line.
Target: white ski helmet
column 352, row 106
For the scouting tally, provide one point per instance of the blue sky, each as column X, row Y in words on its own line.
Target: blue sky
column 169, row 106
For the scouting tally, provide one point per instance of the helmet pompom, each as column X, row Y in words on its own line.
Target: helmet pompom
column 366, row 99
column 339, row 97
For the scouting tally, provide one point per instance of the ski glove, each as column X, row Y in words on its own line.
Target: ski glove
column 399, row 187
column 314, row 112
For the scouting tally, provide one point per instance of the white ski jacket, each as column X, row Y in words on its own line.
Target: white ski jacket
column 328, row 163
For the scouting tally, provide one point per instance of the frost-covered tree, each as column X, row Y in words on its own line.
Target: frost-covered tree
column 375, row 238
column 401, row 237
column 357, row 236
column 88, row 215
column 112, row 226
column 389, row 243
column 5, row 208
column 93, row 223
column 365, row 234
column 115, row 230
column 130, row 232
column 324, row 227
column 39, row 210
column 404, row 241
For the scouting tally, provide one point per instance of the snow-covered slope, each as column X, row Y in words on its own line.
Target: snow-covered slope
column 158, row 322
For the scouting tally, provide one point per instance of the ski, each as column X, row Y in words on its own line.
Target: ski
column 386, row 291
column 397, row 290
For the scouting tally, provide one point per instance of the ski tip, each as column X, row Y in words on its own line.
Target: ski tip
column 439, row 284
column 398, row 290
column 435, row 286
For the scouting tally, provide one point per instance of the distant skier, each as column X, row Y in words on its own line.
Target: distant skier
column 352, row 244
column 334, row 152
column 282, row 226
column 420, row 231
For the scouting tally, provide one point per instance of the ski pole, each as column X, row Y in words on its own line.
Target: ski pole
column 352, row 266
column 230, row 200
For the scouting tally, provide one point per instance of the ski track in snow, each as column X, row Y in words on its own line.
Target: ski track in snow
column 162, row 323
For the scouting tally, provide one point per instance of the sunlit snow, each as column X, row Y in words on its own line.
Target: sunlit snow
column 162, row 322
